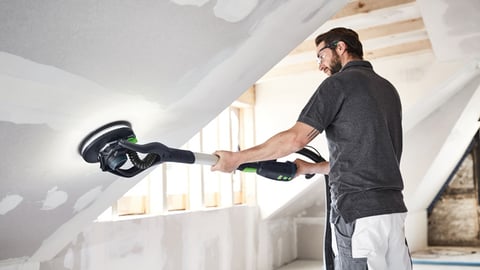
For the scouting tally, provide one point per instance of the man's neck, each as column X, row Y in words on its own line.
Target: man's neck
column 348, row 58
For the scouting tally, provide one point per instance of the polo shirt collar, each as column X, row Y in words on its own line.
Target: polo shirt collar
column 357, row 63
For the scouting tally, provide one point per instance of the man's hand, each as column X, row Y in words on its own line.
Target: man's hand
column 227, row 161
column 304, row 167
column 279, row 145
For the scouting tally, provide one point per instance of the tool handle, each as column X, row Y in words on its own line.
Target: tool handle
column 271, row 169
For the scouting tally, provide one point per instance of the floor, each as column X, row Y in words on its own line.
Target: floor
column 447, row 258
column 438, row 258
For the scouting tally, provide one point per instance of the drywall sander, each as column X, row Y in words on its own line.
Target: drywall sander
column 116, row 148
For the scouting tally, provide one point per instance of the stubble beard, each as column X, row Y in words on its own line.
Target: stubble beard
column 336, row 65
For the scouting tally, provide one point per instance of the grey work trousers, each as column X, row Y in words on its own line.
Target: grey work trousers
column 375, row 243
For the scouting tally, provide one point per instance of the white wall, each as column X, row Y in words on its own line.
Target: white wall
column 277, row 243
column 211, row 239
column 226, row 238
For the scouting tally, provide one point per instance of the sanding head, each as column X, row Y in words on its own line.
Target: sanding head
column 103, row 136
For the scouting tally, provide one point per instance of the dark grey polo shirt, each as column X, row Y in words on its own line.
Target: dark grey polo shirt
column 361, row 115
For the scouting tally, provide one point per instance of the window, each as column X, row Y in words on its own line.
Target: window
column 177, row 187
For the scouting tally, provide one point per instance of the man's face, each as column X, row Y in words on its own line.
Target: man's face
column 328, row 59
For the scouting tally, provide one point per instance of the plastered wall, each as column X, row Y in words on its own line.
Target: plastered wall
column 212, row 239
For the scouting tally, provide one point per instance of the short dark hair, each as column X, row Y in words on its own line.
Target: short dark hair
column 350, row 37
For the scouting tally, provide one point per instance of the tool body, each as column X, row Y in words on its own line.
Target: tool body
column 115, row 147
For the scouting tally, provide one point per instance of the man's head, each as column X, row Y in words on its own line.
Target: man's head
column 336, row 47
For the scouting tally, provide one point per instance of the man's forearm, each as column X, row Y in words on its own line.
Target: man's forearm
column 280, row 145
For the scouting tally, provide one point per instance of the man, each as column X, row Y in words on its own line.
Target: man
column 361, row 115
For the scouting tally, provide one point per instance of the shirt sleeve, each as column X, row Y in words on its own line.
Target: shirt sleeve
column 323, row 106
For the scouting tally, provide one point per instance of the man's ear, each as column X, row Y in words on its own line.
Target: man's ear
column 341, row 47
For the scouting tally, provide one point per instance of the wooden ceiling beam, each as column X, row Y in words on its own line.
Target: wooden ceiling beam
column 366, row 20
column 386, row 28
column 414, row 46
column 399, row 49
column 366, row 6
column 370, row 33
column 391, row 29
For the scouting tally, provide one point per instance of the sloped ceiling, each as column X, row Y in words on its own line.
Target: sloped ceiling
column 453, row 26
column 67, row 67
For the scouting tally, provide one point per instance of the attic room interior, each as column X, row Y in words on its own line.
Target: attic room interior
column 204, row 75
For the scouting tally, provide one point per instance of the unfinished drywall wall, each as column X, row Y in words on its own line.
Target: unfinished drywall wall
column 212, row 239
column 286, row 234
column 310, row 226
column 276, row 243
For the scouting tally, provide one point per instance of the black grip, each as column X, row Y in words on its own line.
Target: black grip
column 180, row 156
column 281, row 171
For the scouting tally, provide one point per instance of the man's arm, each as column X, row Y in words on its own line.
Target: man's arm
column 304, row 167
column 280, row 145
